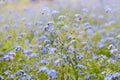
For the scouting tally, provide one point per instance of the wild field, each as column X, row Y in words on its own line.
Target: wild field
column 60, row 40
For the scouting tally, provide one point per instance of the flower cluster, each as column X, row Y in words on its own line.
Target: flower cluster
column 60, row 41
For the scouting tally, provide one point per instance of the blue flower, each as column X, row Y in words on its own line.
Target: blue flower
column 11, row 53
column 118, row 36
column 78, row 17
column 94, row 56
column 11, row 76
column 45, row 61
column 111, row 46
column 112, row 76
column 81, row 66
column 29, row 77
column 18, row 48
column 27, row 52
column 52, row 73
column 38, row 23
column 42, row 38
column 61, row 17
column 80, row 56
column 20, row 72
column 51, row 50
column 33, row 55
column 23, row 77
column 43, row 68
column 50, row 23
column 8, row 57
column 108, row 10
column 8, row 72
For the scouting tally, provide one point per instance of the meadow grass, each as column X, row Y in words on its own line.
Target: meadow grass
column 65, row 44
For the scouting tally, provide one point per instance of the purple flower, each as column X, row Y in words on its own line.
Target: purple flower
column 111, row 60
column 47, row 41
column 11, row 76
column 112, row 76
column 11, row 54
column 43, row 68
column 38, row 23
column 20, row 72
column 108, row 10
column 81, row 66
column 78, row 17
column 51, row 50
column 118, row 56
column 27, row 41
column 87, row 25
column 54, row 12
column 8, row 57
column 110, row 40
column 80, row 56
column 52, row 73
column 86, row 47
column 8, row 72
column 69, row 37
column 85, row 10
column 22, row 77
column 45, row 61
column 33, row 55
column 27, row 52
column 94, row 56
column 118, row 36
column 64, row 56
column 101, row 45
column 49, row 27
column 42, row 38
column 42, row 48
column 45, row 10
column 71, row 49
column 28, row 24
column 8, row 37
column 61, row 17
column 114, row 52
column 57, row 61
column 29, row 77
column 111, row 46
column 50, row 23
column 6, row 26
column 18, row 48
